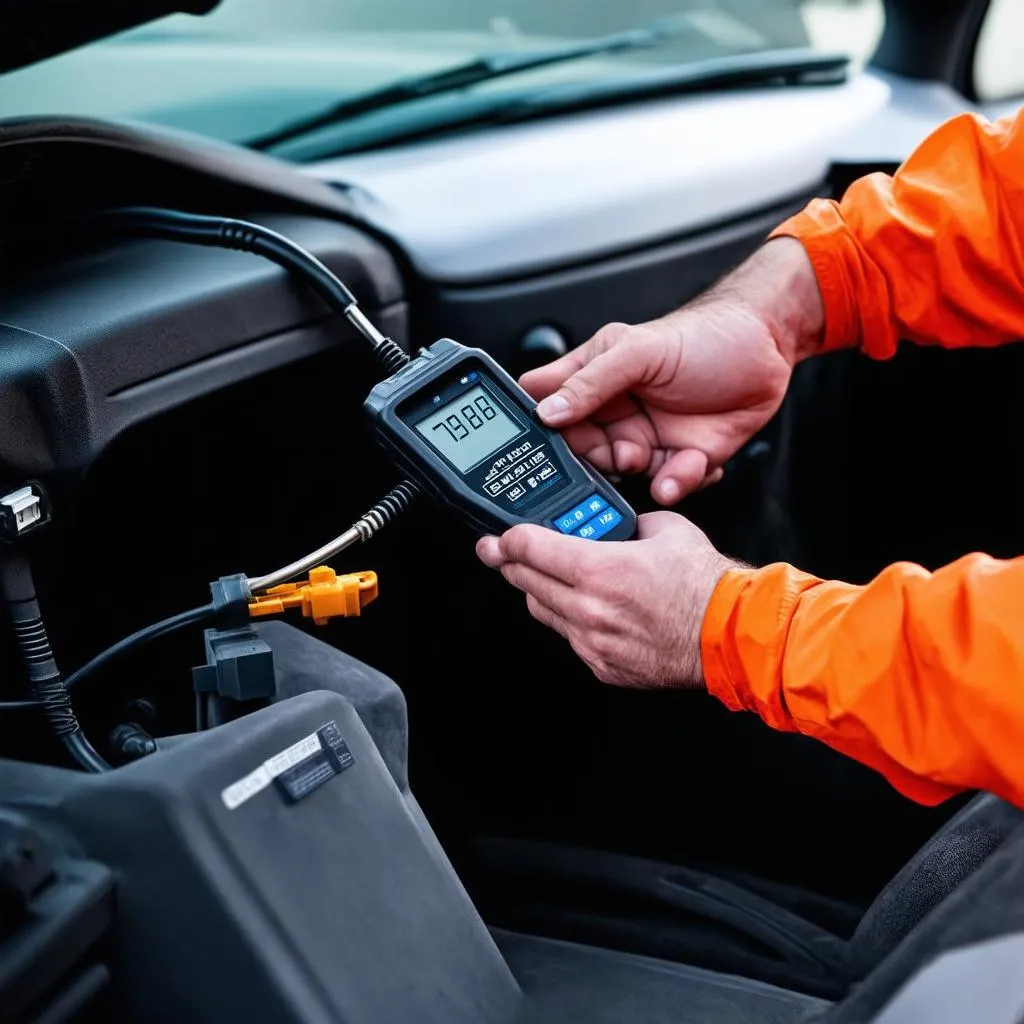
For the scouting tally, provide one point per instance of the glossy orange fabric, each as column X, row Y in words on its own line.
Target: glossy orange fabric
column 919, row 675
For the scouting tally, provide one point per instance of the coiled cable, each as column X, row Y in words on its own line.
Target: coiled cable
column 392, row 505
column 53, row 697
column 48, row 688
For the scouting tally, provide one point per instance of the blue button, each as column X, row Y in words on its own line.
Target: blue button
column 599, row 525
column 582, row 513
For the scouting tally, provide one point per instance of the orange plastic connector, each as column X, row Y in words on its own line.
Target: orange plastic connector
column 325, row 596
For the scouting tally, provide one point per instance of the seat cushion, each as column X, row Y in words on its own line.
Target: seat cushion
column 940, row 867
column 567, row 983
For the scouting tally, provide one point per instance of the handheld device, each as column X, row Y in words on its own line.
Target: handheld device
column 467, row 433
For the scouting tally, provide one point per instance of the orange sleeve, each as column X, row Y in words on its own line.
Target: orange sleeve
column 919, row 675
column 933, row 254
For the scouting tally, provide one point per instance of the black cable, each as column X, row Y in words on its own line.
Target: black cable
column 245, row 236
column 82, row 751
column 142, row 636
column 48, row 688
column 396, row 501
column 241, row 235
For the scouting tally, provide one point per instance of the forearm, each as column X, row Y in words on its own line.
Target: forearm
column 933, row 254
column 916, row 674
column 777, row 285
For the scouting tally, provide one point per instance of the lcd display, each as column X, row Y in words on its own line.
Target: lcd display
column 469, row 429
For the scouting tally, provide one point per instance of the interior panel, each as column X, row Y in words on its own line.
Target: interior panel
column 577, row 300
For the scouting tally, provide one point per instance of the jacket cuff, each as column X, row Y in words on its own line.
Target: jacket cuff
column 743, row 639
column 820, row 228
column 724, row 681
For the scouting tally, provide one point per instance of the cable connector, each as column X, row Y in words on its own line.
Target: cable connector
column 325, row 596
column 239, row 665
column 22, row 511
column 231, row 597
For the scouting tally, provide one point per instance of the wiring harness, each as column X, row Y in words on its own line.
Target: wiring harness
column 50, row 692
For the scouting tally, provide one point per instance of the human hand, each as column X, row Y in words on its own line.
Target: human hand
column 677, row 397
column 632, row 611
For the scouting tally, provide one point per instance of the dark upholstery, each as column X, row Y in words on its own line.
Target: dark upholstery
column 988, row 904
column 950, row 857
column 565, row 983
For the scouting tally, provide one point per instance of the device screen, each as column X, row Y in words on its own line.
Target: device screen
column 468, row 429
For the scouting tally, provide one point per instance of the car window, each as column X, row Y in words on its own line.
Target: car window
column 253, row 65
column 844, row 26
column 999, row 58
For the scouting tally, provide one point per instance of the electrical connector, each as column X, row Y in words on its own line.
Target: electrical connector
column 239, row 665
column 325, row 596
column 22, row 511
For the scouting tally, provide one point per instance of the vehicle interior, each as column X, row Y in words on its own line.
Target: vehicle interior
column 427, row 809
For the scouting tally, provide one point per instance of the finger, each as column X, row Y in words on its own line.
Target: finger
column 488, row 550
column 630, row 457
column 682, row 473
column 545, row 615
column 609, row 454
column 592, row 442
column 602, row 379
column 712, row 478
column 541, row 381
column 560, row 557
column 546, row 589
column 624, row 445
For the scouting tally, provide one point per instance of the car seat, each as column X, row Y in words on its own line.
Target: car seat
column 680, row 914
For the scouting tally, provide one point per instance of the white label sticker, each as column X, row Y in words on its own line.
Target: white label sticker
column 292, row 756
column 238, row 792
column 249, row 785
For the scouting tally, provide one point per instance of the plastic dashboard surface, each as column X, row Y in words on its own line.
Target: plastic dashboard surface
column 518, row 200
column 95, row 343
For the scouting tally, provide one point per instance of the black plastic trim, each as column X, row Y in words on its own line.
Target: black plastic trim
column 933, row 40
column 96, row 342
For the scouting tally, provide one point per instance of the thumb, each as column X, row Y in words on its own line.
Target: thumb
column 650, row 524
column 605, row 377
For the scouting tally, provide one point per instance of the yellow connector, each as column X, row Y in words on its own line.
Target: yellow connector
column 325, row 596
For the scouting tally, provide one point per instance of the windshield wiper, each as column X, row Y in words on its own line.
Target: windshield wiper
column 761, row 70
column 484, row 68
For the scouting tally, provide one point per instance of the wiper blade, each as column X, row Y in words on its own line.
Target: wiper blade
column 484, row 68
column 771, row 69
column 793, row 67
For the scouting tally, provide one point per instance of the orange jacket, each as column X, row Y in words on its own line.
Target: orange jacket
column 919, row 675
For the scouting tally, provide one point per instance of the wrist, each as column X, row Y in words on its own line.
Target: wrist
column 779, row 284
column 715, row 628
column 716, row 569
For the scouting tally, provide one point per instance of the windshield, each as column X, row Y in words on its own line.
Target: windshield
column 254, row 66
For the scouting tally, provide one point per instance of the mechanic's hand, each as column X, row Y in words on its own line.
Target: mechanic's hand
column 633, row 610
column 677, row 397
